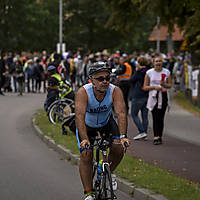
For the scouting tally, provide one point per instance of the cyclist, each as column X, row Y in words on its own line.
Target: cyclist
column 93, row 112
column 55, row 83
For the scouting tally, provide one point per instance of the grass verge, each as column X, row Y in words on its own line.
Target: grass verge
column 134, row 170
column 184, row 103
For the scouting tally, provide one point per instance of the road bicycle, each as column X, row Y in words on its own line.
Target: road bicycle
column 102, row 181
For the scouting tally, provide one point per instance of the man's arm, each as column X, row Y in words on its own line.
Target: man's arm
column 80, row 110
column 120, row 110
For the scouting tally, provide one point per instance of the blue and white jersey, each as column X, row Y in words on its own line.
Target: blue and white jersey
column 98, row 113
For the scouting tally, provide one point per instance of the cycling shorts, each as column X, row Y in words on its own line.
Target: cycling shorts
column 110, row 128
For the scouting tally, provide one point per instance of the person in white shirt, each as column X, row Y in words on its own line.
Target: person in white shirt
column 157, row 81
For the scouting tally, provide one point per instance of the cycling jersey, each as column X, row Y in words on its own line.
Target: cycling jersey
column 98, row 113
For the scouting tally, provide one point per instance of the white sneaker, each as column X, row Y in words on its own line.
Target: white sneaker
column 114, row 181
column 89, row 197
column 140, row 136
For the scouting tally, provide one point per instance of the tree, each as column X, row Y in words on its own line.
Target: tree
column 133, row 21
column 11, row 25
column 185, row 13
column 45, row 25
column 28, row 25
column 191, row 27
column 124, row 14
column 84, row 26
column 126, row 24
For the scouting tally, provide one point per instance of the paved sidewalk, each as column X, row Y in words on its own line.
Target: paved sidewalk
column 183, row 125
column 180, row 150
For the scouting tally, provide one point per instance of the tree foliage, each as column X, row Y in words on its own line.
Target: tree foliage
column 28, row 25
column 97, row 25
column 185, row 13
column 94, row 25
column 112, row 24
column 12, row 14
column 84, row 25
column 192, row 28
column 124, row 14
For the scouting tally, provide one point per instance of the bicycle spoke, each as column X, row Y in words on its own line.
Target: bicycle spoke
column 59, row 111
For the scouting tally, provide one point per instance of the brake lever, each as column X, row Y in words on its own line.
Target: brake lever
column 126, row 146
column 86, row 147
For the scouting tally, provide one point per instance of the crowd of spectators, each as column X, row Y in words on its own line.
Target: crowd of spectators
column 22, row 73
column 28, row 73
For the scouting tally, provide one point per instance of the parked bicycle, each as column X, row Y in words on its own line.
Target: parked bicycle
column 61, row 108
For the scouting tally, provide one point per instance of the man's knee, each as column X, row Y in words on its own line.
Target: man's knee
column 86, row 157
column 117, row 146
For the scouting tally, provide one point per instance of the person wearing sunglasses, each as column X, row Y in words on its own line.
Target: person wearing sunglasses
column 93, row 113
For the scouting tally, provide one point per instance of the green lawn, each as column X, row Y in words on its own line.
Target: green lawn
column 135, row 170
column 182, row 101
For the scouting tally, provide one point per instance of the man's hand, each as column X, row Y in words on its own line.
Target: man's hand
column 85, row 143
column 125, row 142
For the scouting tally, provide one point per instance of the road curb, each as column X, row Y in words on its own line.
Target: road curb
column 123, row 185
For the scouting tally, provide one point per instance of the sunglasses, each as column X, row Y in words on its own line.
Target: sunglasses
column 158, row 61
column 101, row 78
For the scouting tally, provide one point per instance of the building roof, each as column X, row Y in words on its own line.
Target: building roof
column 177, row 35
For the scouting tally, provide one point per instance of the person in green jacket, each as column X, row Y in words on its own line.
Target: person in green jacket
column 55, row 83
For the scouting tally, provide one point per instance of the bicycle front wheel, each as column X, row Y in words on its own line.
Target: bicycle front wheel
column 107, row 188
column 59, row 111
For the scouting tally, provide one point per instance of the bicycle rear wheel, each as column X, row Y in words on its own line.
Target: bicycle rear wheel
column 58, row 111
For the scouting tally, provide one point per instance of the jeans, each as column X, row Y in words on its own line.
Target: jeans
column 137, row 105
column 15, row 83
column 29, row 84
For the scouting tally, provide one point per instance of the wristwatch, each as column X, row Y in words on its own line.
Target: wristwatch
column 123, row 136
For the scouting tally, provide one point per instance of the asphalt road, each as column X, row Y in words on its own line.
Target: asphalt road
column 28, row 168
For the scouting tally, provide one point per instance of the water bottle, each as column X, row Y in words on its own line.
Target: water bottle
column 99, row 170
